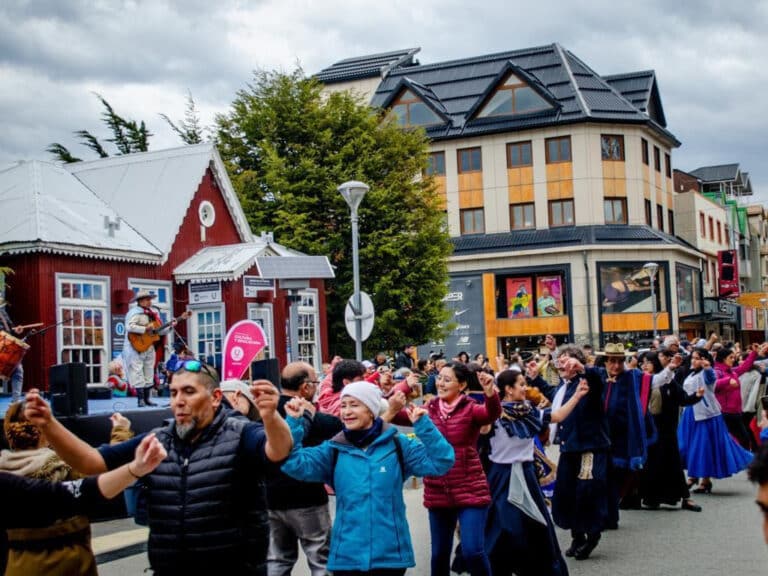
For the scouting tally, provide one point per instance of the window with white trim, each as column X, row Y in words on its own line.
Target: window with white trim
column 309, row 328
column 82, row 307
column 262, row 314
column 207, row 335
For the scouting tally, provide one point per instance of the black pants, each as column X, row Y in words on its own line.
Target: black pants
column 737, row 429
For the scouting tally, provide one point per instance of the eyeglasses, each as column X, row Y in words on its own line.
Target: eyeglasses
column 195, row 366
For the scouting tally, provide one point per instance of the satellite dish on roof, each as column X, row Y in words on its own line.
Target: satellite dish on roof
column 367, row 316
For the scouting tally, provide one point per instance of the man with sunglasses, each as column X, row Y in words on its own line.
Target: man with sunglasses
column 206, row 503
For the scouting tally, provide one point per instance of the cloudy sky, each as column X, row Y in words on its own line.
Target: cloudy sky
column 143, row 57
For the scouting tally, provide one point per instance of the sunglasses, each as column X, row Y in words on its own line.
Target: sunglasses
column 196, row 367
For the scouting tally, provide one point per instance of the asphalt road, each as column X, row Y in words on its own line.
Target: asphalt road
column 725, row 539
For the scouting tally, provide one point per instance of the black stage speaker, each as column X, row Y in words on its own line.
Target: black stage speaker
column 68, row 388
column 267, row 370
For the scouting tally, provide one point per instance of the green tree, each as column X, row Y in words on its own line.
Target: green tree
column 128, row 136
column 189, row 129
column 288, row 148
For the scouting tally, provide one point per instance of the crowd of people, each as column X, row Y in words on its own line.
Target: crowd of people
column 241, row 477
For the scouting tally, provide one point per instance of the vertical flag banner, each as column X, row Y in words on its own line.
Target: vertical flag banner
column 244, row 341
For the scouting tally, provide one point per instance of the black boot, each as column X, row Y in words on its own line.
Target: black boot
column 140, row 396
column 148, row 396
column 578, row 540
column 583, row 551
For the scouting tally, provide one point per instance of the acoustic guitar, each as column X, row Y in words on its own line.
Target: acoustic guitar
column 142, row 342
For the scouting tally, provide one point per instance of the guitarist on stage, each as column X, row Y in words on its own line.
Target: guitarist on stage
column 17, row 378
column 140, row 365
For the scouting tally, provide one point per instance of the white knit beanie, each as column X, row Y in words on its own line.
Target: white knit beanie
column 369, row 394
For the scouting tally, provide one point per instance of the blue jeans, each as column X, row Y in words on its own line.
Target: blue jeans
column 17, row 383
column 442, row 524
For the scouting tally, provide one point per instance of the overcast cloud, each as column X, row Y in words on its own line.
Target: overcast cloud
column 143, row 56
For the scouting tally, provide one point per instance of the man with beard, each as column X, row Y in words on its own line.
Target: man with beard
column 206, row 502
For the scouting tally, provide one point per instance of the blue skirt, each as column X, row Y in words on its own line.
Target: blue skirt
column 707, row 449
column 515, row 542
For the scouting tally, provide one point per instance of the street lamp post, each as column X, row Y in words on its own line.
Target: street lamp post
column 764, row 304
column 651, row 268
column 353, row 192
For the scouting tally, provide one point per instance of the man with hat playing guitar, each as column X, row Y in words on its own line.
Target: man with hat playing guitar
column 143, row 329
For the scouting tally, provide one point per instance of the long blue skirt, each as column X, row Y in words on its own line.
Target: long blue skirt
column 515, row 542
column 707, row 449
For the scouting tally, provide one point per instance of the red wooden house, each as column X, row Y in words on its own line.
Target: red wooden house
column 84, row 237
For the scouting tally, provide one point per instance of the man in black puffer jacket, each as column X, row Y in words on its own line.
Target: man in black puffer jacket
column 205, row 502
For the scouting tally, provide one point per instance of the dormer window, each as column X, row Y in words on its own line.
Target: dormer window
column 513, row 96
column 410, row 110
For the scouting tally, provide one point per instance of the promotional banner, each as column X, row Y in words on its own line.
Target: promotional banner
column 519, row 298
column 549, row 296
column 627, row 288
column 244, row 342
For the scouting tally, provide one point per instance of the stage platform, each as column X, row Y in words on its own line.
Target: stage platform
column 95, row 427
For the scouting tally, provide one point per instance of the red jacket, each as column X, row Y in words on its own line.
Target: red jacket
column 729, row 396
column 465, row 484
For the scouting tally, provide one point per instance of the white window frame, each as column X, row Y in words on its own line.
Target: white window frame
column 264, row 314
column 194, row 341
column 102, row 304
column 303, row 310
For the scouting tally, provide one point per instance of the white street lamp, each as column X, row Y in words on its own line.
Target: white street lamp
column 651, row 268
column 353, row 192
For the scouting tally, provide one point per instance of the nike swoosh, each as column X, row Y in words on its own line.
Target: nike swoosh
column 460, row 312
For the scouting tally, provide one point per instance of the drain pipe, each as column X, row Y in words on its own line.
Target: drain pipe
column 589, row 297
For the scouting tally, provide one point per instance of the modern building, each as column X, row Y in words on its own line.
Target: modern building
column 83, row 238
column 557, row 186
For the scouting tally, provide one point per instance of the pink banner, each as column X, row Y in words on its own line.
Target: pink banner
column 244, row 341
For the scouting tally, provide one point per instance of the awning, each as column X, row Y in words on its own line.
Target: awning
column 707, row 317
column 220, row 263
column 294, row 267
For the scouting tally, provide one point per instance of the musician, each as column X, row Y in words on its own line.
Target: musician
column 140, row 366
column 17, row 377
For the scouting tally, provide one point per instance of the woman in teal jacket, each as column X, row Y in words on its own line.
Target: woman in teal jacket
column 367, row 463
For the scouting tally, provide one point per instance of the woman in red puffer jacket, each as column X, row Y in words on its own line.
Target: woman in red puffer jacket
column 461, row 495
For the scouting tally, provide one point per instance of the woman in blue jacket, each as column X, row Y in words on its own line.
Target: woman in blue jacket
column 367, row 463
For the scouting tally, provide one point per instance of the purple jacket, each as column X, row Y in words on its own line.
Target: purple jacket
column 729, row 396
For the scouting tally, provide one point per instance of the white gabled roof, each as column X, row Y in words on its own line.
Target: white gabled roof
column 153, row 190
column 46, row 209
column 225, row 263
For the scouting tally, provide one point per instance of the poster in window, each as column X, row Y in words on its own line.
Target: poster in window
column 627, row 288
column 549, row 296
column 519, row 297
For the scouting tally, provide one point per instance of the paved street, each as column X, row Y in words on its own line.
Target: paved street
column 726, row 538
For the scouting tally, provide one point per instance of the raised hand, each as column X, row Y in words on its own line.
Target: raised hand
column 415, row 412
column 266, row 396
column 36, row 410
column 582, row 389
column 119, row 421
column 149, row 453
column 294, row 408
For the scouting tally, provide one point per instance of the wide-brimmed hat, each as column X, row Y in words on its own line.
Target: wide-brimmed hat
column 615, row 349
column 142, row 294
column 238, row 386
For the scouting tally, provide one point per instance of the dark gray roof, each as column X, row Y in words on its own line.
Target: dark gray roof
column 294, row 267
column 369, row 66
column 721, row 173
column 577, row 92
column 559, row 237
column 640, row 88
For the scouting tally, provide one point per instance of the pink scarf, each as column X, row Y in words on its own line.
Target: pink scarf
column 446, row 408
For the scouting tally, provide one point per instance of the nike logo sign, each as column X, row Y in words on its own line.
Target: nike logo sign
column 460, row 312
